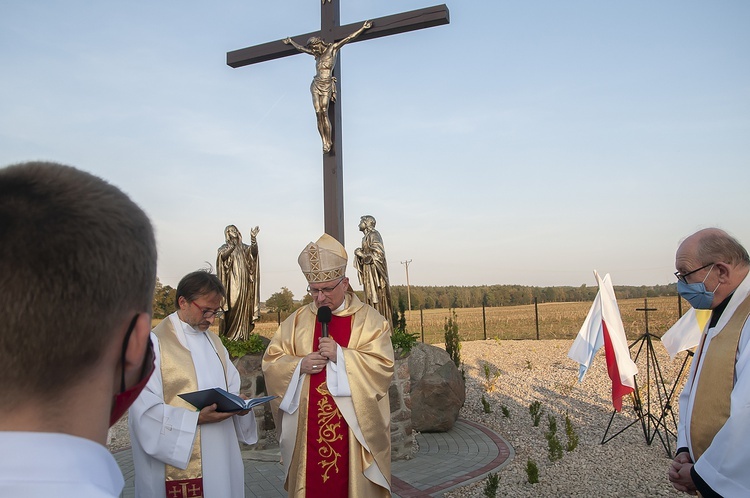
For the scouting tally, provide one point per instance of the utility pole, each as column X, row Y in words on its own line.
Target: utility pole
column 408, row 290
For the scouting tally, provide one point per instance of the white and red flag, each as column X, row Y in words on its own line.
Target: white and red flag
column 603, row 327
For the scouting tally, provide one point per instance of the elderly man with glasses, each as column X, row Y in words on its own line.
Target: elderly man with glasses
column 713, row 454
column 331, row 364
column 179, row 451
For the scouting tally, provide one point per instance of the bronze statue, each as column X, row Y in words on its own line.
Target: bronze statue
column 323, row 87
column 372, row 268
column 238, row 268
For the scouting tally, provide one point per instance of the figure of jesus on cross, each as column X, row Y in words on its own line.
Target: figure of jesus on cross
column 323, row 87
column 324, row 45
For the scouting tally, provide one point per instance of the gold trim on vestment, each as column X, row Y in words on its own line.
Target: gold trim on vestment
column 369, row 361
column 178, row 377
column 328, row 432
column 712, row 403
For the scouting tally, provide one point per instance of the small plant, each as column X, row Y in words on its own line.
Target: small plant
column 490, row 377
column 402, row 342
column 535, row 409
column 571, row 433
column 238, row 349
column 528, row 364
column 506, row 412
column 486, row 405
column 490, row 487
column 554, row 447
column 552, row 424
column 452, row 340
column 532, row 471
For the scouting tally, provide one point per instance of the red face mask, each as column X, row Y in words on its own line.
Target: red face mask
column 127, row 397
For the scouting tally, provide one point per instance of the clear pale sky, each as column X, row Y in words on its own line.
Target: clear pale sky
column 527, row 142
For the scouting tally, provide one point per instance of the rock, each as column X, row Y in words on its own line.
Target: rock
column 437, row 389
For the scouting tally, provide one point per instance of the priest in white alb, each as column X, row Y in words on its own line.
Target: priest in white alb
column 713, row 454
column 179, row 451
column 333, row 412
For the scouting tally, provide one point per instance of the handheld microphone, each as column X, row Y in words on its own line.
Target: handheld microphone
column 324, row 316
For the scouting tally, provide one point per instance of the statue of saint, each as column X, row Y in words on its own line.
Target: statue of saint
column 372, row 268
column 238, row 268
column 323, row 87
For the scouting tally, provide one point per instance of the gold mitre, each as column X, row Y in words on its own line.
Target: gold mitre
column 323, row 260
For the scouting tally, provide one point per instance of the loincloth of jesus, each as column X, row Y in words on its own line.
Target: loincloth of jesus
column 324, row 87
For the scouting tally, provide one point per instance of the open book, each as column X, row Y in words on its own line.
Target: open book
column 225, row 401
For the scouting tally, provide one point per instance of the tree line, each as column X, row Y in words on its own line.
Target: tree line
column 450, row 296
column 453, row 296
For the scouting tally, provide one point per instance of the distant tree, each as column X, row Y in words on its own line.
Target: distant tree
column 164, row 297
column 281, row 301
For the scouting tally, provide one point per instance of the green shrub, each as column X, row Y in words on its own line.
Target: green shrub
column 490, row 377
column 506, row 412
column 452, row 340
column 554, row 448
column 532, row 471
column 552, row 424
column 535, row 409
column 490, row 487
column 238, row 349
column 403, row 342
column 486, row 405
column 571, row 433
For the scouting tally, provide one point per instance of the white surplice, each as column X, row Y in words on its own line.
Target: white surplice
column 161, row 433
column 724, row 464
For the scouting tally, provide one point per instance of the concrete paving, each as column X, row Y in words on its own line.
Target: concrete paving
column 445, row 461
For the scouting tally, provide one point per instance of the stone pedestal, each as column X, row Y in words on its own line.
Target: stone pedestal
column 402, row 437
column 254, row 386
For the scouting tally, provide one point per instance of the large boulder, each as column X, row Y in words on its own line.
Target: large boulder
column 437, row 389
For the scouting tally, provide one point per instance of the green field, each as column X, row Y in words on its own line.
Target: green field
column 556, row 320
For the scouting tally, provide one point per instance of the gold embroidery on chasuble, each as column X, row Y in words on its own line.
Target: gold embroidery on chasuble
column 329, row 431
column 327, row 435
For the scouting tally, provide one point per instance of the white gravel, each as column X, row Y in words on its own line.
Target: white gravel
column 625, row 466
column 541, row 371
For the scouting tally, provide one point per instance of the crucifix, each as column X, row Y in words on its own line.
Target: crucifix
column 332, row 34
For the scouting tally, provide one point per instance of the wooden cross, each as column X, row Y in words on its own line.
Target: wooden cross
column 331, row 31
column 645, row 310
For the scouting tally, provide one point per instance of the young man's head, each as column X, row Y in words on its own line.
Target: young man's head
column 77, row 267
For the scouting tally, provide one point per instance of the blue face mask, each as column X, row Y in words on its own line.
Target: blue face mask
column 696, row 293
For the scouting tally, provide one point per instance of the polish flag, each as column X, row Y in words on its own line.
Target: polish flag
column 603, row 327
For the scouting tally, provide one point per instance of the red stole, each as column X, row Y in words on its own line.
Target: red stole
column 327, row 431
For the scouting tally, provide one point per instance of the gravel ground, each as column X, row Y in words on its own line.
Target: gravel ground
column 528, row 371
column 626, row 466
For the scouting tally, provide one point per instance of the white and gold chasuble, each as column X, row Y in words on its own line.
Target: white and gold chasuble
column 358, row 384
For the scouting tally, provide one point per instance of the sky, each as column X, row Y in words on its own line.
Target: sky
column 526, row 142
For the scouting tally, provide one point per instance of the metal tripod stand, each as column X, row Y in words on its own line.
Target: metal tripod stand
column 665, row 425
